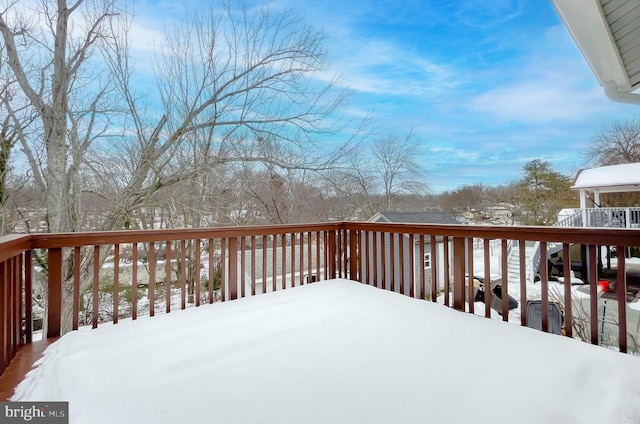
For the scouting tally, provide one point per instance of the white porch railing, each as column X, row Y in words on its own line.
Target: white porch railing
column 603, row 217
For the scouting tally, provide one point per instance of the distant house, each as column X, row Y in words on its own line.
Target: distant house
column 404, row 257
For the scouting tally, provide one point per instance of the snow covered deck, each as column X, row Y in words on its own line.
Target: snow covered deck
column 386, row 259
column 332, row 352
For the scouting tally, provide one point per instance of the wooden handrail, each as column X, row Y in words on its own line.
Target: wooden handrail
column 373, row 253
column 51, row 240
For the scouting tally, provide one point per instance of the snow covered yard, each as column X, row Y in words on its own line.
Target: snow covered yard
column 332, row 352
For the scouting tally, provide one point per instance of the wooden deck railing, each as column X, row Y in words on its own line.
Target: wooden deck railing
column 251, row 260
column 15, row 296
column 458, row 260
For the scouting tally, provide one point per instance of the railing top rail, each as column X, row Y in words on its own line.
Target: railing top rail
column 602, row 236
column 607, row 208
column 12, row 245
column 53, row 240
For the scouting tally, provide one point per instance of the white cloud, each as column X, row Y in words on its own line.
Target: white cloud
column 145, row 37
column 382, row 67
column 539, row 101
column 551, row 83
column 483, row 14
column 454, row 153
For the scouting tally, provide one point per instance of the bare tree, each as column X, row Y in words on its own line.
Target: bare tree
column 235, row 87
column 51, row 51
column 615, row 144
column 359, row 185
column 49, row 47
column 375, row 175
column 16, row 118
column 282, row 197
column 344, row 197
column 464, row 198
column 396, row 162
column 8, row 134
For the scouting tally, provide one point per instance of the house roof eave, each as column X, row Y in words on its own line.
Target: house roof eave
column 587, row 23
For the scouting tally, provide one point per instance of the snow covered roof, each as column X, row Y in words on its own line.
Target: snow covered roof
column 414, row 217
column 609, row 179
column 331, row 352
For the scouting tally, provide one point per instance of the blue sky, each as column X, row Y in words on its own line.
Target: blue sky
column 487, row 86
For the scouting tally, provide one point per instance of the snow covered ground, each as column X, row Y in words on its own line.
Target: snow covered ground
column 332, row 352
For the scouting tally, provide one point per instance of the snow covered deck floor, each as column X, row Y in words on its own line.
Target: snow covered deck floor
column 332, row 352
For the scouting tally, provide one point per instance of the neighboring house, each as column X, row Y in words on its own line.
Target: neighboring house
column 405, row 253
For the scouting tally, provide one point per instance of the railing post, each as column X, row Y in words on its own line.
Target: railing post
column 505, row 281
column 470, row 280
column 95, row 288
column 458, row 273
column 5, row 355
column 446, row 269
column 54, row 303
column 544, row 285
column 332, row 254
column 568, row 303
column 76, row 287
column 593, row 293
column 151, row 288
column 583, row 203
column 233, row 268
column 487, row 278
column 353, row 255
column 16, row 283
column 28, row 297
column 526, row 269
column 223, row 263
column 621, row 294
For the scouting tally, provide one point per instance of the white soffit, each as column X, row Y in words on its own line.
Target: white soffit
column 608, row 35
